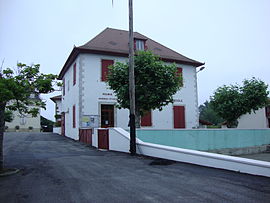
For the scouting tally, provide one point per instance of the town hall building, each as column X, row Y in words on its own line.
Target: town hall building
column 87, row 101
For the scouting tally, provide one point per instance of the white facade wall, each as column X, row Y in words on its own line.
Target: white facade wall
column 186, row 96
column 71, row 98
column 255, row 120
column 90, row 92
column 95, row 92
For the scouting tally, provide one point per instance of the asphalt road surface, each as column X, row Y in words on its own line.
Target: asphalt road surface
column 57, row 169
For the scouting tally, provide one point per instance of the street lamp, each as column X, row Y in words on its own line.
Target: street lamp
column 201, row 69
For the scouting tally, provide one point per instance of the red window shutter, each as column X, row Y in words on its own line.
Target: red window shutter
column 64, row 88
column 74, row 116
column 74, row 74
column 146, row 120
column 145, row 46
column 104, row 68
column 179, row 73
column 135, row 45
column 179, row 117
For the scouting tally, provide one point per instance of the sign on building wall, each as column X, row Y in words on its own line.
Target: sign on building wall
column 90, row 121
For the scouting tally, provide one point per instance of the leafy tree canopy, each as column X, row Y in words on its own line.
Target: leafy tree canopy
column 207, row 113
column 230, row 102
column 9, row 116
column 19, row 88
column 155, row 82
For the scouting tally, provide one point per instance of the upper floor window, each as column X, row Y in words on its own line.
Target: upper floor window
column 74, row 116
column 74, row 74
column 139, row 45
column 64, row 89
column 179, row 73
column 104, row 68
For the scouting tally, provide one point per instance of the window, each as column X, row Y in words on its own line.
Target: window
column 179, row 73
column 23, row 120
column 68, row 85
column 146, row 120
column 74, row 116
column 64, row 87
column 74, row 74
column 104, row 68
column 139, row 45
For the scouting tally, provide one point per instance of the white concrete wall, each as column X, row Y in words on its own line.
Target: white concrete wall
column 96, row 92
column 119, row 141
column 255, row 120
column 57, row 130
column 71, row 98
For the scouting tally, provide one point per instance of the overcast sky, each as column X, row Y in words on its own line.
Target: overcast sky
column 232, row 37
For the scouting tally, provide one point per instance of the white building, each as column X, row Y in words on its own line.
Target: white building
column 24, row 122
column 87, row 100
column 258, row 120
column 58, row 108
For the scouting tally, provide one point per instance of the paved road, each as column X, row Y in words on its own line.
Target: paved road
column 57, row 169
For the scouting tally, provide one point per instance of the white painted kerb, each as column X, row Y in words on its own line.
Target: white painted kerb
column 119, row 141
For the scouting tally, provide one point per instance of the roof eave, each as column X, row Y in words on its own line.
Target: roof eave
column 192, row 63
column 72, row 56
column 77, row 50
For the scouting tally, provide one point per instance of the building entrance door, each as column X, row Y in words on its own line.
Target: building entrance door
column 107, row 115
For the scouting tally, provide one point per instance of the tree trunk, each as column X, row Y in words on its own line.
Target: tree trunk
column 2, row 128
column 137, row 118
column 232, row 124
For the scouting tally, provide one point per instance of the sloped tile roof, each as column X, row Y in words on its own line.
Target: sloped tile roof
column 115, row 42
column 58, row 97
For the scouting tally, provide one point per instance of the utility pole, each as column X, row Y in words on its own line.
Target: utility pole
column 131, row 83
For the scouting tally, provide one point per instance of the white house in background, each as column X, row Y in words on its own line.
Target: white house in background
column 24, row 123
column 87, row 100
column 58, row 108
column 259, row 119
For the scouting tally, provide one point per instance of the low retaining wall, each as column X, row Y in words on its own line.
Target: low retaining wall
column 119, row 141
column 208, row 139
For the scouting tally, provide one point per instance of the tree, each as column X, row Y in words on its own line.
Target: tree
column 8, row 116
column 46, row 124
column 16, row 89
column 155, row 83
column 230, row 102
column 207, row 113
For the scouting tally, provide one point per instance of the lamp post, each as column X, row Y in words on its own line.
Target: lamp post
column 131, row 83
column 197, row 103
column 201, row 69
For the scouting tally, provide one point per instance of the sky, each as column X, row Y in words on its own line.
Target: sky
column 231, row 37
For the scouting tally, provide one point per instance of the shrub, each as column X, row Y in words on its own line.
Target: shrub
column 17, row 127
column 30, row 128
